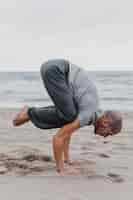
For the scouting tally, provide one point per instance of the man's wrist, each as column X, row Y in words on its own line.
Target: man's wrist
column 58, row 170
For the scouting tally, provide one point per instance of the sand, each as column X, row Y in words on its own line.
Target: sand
column 27, row 167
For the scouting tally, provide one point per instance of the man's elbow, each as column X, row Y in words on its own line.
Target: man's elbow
column 72, row 117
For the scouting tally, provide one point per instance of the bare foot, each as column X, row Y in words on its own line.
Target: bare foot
column 21, row 117
column 70, row 171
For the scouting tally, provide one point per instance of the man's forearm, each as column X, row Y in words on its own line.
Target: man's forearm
column 66, row 150
column 58, row 142
column 58, row 152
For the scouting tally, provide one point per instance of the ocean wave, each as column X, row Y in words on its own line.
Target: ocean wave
column 115, row 88
column 117, row 99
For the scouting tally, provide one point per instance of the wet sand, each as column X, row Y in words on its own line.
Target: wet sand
column 27, row 167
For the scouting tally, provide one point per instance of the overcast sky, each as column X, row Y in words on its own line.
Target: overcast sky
column 94, row 34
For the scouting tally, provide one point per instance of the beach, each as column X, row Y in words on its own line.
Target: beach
column 27, row 167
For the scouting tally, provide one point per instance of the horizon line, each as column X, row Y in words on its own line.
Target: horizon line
column 100, row 70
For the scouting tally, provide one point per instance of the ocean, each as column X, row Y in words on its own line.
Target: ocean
column 115, row 89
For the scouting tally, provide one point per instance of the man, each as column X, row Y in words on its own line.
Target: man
column 76, row 104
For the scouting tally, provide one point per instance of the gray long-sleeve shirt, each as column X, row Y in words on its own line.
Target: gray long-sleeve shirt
column 85, row 94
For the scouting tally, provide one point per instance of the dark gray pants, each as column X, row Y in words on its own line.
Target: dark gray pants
column 54, row 74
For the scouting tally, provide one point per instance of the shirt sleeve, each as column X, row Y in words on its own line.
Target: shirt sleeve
column 88, row 105
column 87, row 108
column 84, row 117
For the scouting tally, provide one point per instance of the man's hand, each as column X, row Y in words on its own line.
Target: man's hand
column 70, row 171
column 59, row 140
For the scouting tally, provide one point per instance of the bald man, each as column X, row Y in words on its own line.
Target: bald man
column 76, row 104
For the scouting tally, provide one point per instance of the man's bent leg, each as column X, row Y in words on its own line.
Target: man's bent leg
column 45, row 117
column 55, row 81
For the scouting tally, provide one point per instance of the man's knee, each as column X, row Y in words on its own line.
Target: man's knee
column 44, row 69
column 72, row 116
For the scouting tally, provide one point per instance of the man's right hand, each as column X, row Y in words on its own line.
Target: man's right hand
column 70, row 171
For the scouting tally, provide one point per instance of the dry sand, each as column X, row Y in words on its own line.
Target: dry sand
column 28, row 171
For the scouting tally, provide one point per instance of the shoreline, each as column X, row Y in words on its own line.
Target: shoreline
column 16, row 108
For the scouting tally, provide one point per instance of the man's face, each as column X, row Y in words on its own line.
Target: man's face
column 103, row 128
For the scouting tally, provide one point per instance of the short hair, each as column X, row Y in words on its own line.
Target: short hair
column 115, row 120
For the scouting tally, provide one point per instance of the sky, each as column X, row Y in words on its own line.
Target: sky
column 97, row 35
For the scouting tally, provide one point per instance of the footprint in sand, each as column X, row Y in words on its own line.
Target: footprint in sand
column 105, row 142
column 103, row 155
column 115, row 177
column 110, row 176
